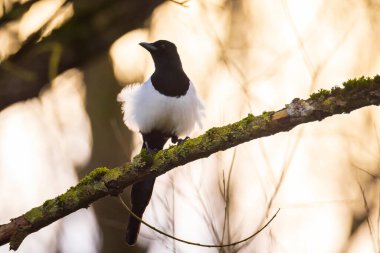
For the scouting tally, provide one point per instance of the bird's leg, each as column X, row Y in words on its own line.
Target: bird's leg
column 174, row 139
column 148, row 149
column 179, row 141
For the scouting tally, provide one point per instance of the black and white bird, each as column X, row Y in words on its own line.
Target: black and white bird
column 165, row 106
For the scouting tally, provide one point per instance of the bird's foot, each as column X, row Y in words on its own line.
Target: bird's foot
column 150, row 150
column 179, row 141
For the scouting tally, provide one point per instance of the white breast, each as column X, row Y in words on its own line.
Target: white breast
column 145, row 109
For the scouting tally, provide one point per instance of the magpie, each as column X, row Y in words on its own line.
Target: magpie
column 165, row 107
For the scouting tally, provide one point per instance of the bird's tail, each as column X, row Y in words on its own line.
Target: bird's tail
column 140, row 196
column 142, row 191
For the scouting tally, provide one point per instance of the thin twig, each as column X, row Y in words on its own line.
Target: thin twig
column 195, row 243
column 226, row 195
column 183, row 3
column 368, row 215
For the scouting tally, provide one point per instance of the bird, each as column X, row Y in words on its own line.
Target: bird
column 164, row 107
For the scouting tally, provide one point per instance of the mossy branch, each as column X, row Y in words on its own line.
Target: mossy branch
column 101, row 182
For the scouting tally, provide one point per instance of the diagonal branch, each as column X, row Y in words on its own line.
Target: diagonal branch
column 104, row 181
column 105, row 20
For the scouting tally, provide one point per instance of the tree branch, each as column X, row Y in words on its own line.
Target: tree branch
column 16, row 11
column 104, row 181
column 95, row 26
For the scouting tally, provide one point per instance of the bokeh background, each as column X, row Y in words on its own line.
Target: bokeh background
column 64, row 61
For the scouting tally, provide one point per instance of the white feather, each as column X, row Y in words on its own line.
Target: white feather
column 145, row 109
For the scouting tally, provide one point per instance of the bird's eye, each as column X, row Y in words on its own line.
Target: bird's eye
column 162, row 46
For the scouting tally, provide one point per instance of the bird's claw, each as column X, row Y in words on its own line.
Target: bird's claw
column 179, row 141
column 149, row 150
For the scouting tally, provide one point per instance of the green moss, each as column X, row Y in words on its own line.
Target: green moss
column 113, row 174
column 267, row 116
column 322, row 93
column 48, row 203
column 327, row 102
column 170, row 153
column 142, row 160
column 250, row 117
column 33, row 215
column 376, row 79
column 96, row 174
column 145, row 156
column 211, row 131
column 69, row 197
column 335, row 90
column 240, row 125
column 354, row 83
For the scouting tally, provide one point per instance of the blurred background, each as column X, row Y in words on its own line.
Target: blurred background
column 62, row 63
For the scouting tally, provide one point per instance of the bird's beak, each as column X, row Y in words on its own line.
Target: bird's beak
column 148, row 46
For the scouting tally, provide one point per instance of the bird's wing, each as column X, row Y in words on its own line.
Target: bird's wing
column 126, row 91
column 127, row 97
column 198, row 106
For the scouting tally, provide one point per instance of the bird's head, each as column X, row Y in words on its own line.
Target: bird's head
column 164, row 53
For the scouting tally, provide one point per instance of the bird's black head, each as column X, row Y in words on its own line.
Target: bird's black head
column 168, row 78
column 164, row 54
column 160, row 46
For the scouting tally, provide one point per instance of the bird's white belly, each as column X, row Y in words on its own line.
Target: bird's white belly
column 145, row 110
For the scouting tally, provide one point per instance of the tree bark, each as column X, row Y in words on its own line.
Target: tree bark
column 105, row 181
column 91, row 31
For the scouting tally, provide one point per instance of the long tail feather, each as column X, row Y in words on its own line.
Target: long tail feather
column 142, row 191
